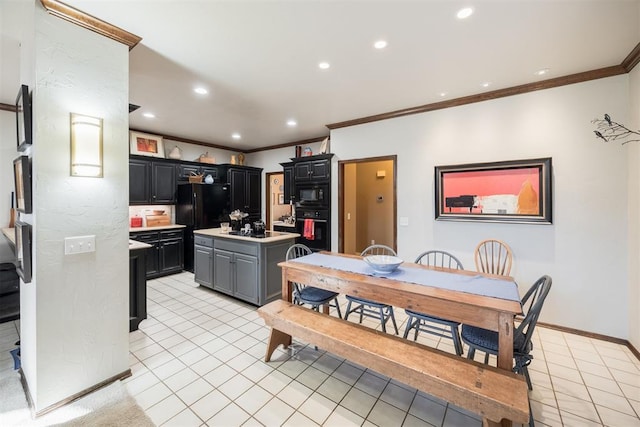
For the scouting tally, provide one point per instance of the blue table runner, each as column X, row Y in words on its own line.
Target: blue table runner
column 477, row 285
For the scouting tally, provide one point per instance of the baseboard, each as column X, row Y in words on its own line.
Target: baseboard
column 593, row 335
column 70, row 399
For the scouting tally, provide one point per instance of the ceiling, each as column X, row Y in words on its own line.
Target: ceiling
column 259, row 59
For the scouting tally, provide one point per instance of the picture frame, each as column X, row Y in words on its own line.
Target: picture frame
column 24, row 129
column 23, row 250
column 281, row 198
column 22, row 180
column 515, row 191
column 145, row 144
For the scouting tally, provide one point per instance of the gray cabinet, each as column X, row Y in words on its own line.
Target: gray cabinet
column 203, row 261
column 245, row 269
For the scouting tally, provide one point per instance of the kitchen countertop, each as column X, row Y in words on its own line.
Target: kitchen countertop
column 10, row 233
column 274, row 237
column 134, row 244
column 160, row 227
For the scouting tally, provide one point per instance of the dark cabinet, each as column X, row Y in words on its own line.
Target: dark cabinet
column 151, row 182
column 312, row 170
column 289, row 182
column 246, row 187
column 137, row 287
column 185, row 170
column 166, row 255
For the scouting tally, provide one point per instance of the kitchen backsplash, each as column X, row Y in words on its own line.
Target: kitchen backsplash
column 143, row 210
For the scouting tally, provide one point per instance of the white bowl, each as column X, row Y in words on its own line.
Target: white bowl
column 383, row 263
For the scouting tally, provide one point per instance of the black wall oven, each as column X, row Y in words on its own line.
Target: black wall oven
column 313, row 195
column 316, row 236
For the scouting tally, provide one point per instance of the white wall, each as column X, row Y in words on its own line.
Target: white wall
column 584, row 251
column 75, row 313
column 634, row 211
column 191, row 152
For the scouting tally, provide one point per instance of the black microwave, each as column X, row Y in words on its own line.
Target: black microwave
column 312, row 195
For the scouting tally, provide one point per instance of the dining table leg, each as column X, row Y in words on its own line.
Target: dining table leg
column 505, row 349
column 287, row 295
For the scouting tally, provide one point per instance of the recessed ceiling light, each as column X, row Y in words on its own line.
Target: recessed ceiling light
column 443, row 94
column 292, row 123
column 464, row 13
column 201, row 91
column 149, row 115
column 236, row 135
column 380, row 44
column 324, row 65
column 542, row 72
column 486, row 84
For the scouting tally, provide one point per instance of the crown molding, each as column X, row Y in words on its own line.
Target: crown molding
column 632, row 59
column 486, row 96
column 288, row 144
column 75, row 16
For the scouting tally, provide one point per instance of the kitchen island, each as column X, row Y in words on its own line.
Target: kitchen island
column 137, row 283
column 245, row 267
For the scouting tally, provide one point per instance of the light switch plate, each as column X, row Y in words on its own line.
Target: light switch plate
column 404, row 221
column 79, row 244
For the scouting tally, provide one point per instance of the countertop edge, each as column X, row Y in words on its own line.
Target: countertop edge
column 160, row 227
column 216, row 232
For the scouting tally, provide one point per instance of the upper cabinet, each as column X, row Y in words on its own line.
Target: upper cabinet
column 246, row 187
column 151, row 182
column 312, row 168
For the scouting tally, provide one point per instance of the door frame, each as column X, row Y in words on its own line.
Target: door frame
column 267, row 196
column 341, row 166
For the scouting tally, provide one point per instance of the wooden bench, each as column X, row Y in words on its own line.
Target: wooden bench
column 493, row 393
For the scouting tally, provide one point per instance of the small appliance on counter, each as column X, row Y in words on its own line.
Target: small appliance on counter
column 157, row 218
column 237, row 217
column 259, row 228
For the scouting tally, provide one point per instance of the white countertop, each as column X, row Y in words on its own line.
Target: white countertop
column 134, row 244
column 160, row 227
column 10, row 234
column 275, row 235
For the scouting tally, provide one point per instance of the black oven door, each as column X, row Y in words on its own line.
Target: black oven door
column 320, row 240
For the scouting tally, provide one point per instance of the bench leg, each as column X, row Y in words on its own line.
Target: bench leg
column 275, row 339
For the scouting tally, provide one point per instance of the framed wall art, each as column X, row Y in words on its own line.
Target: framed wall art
column 145, row 144
column 23, row 250
column 22, row 179
column 508, row 191
column 23, row 118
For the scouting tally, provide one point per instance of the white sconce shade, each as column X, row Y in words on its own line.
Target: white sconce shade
column 86, row 146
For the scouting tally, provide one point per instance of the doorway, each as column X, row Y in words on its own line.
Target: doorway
column 275, row 204
column 367, row 203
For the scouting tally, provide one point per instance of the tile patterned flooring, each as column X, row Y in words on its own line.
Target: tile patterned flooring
column 197, row 361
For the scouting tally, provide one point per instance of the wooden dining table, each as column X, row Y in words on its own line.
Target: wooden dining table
column 472, row 298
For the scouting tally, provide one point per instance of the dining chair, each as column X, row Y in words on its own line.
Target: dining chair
column 421, row 322
column 487, row 341
column 302, row 294
column 370, row 308
column 493, row 257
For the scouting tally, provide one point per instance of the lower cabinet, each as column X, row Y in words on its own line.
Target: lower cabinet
column 137, row 287
column 166, row 256
column 245, row 270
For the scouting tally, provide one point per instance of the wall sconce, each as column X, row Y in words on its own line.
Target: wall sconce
column 86, row 146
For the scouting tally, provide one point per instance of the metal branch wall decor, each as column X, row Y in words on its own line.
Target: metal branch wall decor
column 608, row 130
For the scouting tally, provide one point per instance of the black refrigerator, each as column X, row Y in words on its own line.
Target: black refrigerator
column 200, row 206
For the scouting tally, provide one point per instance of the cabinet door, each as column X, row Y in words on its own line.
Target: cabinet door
column 171, row 252
column 302, row 171
column 320, row 169
column 139, row 191
column 247, row 284
column 253, row 193
column 185, row 171
column 163, row 183
column 223, row 271
column 211, row 171
column 153, row 257
column 289, row 183
column 203, row 265
column 237, row 182
column 137, row 288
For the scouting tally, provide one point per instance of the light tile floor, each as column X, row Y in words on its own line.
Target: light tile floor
column 197, row 360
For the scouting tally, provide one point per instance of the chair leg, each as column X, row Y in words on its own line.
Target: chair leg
column 408, row 328
column 471, row 354
column 346, row 315
column 416, row 326
column 486, row 358
column 525, row 370
column 456, row 340
column 361, row 307
column 338, row 308
column 383, row 320
column 393, row 320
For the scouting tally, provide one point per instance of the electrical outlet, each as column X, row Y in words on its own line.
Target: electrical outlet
column 79, row 244
column 373, row 242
